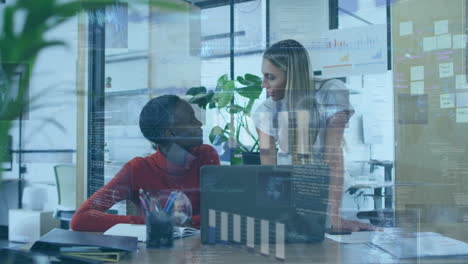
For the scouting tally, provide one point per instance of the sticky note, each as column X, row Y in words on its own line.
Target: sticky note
column 264, row 237
column 447, row 100
column 417, row 87
column 445, row 70
column 462, row 99
column 236, row 228
column 444, row 41
column 462, row 115
column 459, row 41
column 224, row 227
column 406, row 28
column 417, row 73
column 250, row 232
column 460, row 81
column 441, row 27
column 429, row 43
column 279, row 239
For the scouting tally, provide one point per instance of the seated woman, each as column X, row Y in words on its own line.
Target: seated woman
column 170, row 124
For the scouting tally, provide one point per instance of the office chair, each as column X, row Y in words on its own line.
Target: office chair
column 65, row 178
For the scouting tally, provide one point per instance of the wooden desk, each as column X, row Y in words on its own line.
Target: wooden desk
column 190, row 250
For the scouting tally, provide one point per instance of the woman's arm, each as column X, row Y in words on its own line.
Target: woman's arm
column 92, row 216
column 267, row 148
column 333, row 155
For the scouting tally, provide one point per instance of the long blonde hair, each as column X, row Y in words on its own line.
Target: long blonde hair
column 299, row 97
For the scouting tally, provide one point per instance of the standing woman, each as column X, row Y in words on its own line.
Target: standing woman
column 305, row 117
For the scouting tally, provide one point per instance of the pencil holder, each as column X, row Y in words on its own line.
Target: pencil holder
column 159, row 230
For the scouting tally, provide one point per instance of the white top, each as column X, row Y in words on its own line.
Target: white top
column 332, row 96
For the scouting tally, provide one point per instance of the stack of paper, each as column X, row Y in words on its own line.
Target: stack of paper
column 139, row 231
column 417, row 245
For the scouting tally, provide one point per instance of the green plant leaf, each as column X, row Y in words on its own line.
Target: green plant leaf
column 253, row 78
column 224, row 99
column 217, row 136
column 234, row 109
column 221, row 82
column 196, row 90
column 251, row 92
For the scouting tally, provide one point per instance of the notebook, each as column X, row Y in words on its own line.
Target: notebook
column 92, row 253
column 139, row 231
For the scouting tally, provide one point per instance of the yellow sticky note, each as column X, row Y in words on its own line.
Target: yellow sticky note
column 459, row 41
column 429, row 43
column 441, row 27
column 406, row 28
column 462, row 99
column 445, row 70
column 417, row 73
column 447, row 100
column 444, row 41
column 462, row 115
column 417, row 87
column 460, row 81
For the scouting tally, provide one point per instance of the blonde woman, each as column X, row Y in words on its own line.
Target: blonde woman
column 305, row 118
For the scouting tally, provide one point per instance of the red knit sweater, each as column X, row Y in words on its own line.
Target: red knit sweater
column 154, row 174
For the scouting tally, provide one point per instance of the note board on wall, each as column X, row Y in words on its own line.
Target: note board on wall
column 351, row 51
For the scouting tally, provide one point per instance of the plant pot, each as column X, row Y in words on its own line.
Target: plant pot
column 251, row 158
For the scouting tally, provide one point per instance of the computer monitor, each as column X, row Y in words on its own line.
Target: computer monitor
column 294, row 196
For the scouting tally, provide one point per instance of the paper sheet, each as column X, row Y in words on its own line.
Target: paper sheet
column 406, row 28
column 417, row 87
column 444, row 41
column 462, row 115
column 353, row 238
column 423, row 244
column 417, row 73
column 462, row 99
column 429, row 43
column 441, row 27
column 447, row 100
column 446, row 70
column 459, row 41
column 460, row 81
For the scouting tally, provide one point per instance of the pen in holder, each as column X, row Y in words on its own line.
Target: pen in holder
column 159, row 230
column 159, row 226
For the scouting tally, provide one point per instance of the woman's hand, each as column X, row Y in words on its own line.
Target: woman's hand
column 350, row 225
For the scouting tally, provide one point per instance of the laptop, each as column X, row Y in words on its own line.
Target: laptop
column 239, row 199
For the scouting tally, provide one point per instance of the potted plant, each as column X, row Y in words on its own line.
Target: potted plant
column 234, row 99
column 24, row 26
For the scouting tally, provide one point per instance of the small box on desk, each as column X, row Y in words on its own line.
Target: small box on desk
column 28, row 225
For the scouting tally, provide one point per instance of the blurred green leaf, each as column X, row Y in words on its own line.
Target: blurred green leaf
column 224, row 99
column 196, row 90
column 234, row 109
column 251, row 92
column 253, row 78
column 221, row 82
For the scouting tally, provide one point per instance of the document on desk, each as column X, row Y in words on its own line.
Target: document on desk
column 353, row 238
column 139, row 231
column 419, row 245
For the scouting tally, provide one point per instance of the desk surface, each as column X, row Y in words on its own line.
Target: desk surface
column 190, row 250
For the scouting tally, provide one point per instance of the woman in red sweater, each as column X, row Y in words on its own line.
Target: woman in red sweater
column 170, row 124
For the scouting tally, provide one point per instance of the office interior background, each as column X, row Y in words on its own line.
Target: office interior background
column 404, row 62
